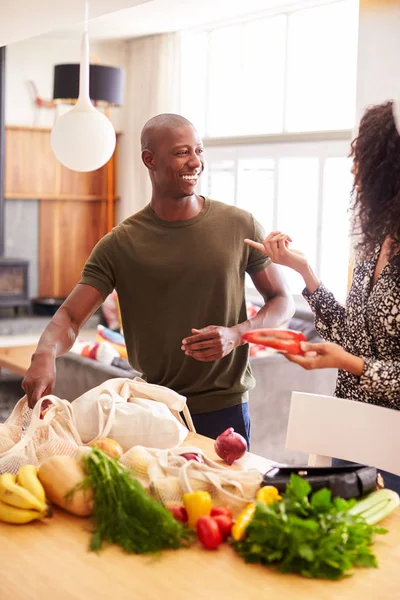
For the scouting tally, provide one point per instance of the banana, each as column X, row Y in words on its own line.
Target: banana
column 18, row 516
column 27, row 477
column 15, row 495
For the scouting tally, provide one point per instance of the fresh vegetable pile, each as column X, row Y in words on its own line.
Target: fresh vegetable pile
column 313, row 536
column 300, row 532
column 124, row 513
column 213, row 524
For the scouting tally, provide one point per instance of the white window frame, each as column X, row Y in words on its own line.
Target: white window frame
column 320, row 145
column 286, row 11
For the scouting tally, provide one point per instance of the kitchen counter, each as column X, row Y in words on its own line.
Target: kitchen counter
column 50, row 560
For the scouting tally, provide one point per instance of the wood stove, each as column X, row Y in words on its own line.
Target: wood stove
column 14, row 283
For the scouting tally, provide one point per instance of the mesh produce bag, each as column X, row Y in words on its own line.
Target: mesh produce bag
column 168, row 475
column 25, row 438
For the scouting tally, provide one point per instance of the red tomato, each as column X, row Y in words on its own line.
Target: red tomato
column 221, row 510
column 208, row 532
column 224, row 525
column 179, row 513
column 284, row 340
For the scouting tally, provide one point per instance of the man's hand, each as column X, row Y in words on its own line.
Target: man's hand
column 327, row 355
column 40, row 377
column 211, row 343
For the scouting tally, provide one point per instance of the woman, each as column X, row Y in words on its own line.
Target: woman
column 362, row 338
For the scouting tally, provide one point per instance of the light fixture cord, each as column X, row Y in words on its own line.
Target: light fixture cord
column 86, row 16
column 84, row 66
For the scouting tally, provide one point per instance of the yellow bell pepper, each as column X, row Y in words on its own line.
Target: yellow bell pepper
column 267, row 495
column 240, row 525
column 197, row 504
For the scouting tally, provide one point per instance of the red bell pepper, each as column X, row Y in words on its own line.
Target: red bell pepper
column 284, row 340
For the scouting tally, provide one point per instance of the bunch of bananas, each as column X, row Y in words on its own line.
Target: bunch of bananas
column 22, row 497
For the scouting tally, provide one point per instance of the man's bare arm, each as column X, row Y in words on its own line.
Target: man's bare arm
column 58, row 337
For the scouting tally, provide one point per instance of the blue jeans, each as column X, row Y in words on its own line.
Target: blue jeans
column 212, row 424
column 392, row 482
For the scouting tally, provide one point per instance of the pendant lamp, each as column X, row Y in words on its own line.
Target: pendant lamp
column 106, row 84
column 83, row 139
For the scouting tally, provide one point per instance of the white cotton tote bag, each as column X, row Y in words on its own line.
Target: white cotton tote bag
column 132, row 412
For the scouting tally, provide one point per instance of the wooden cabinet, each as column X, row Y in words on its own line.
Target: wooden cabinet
column 68, row 230
column 73, row 206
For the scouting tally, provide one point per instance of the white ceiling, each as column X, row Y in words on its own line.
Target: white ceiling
column 160, row 16
column 22, row 19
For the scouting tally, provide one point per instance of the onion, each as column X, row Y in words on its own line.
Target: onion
column 192, row 456
column 109, row 446
column 230, row 446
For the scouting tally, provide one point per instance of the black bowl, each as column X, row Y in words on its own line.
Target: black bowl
column 46, row 306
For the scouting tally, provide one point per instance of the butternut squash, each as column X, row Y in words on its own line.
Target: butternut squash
column 59, row 475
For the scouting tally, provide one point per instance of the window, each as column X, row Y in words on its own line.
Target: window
column 302, row 189
column 297, row 212
column 288, row 78
column 256, row 187
column 335, row 225
column 250, row 84
column 221, row 181
column 321, row 68
column 288, row 72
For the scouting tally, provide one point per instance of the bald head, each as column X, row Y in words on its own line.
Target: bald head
column 159, row 125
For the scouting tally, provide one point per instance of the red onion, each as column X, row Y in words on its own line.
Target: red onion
column 192, row 456
column 230, row 446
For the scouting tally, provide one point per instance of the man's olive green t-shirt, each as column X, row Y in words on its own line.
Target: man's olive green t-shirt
column 172, row 276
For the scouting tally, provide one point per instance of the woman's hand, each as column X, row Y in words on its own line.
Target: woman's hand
column 276, row 246
column 327, row 355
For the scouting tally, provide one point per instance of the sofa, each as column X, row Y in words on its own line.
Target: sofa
column 275, row 377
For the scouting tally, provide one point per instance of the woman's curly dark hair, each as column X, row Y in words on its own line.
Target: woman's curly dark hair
column 376, row 190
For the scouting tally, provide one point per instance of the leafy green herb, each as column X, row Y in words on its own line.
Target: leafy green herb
column 125, row 514
column 314, row 536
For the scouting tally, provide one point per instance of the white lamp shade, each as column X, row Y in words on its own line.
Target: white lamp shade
column 83, row 140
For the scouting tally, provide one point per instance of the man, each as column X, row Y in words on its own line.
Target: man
column 178, row 267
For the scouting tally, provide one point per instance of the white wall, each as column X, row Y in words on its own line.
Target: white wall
column 34, row 60
column 378, row 72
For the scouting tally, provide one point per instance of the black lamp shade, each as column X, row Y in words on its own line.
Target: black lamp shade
column 106, row 84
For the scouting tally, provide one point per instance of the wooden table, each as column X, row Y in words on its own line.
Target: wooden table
column 17, row 358
column 50, row 560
